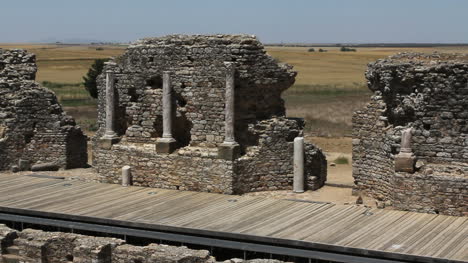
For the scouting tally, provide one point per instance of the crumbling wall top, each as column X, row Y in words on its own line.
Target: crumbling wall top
column 17, row 64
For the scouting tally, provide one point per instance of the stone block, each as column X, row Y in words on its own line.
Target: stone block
column 45, row 167
column 106, row 143
column 166, row 146
column 24, row 165
column 405, row 163
column 94, row 249
column 228, row 152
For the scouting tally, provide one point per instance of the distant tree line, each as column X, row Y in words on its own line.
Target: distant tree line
column 347, row 49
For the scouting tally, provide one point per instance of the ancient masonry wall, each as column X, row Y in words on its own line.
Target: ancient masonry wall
column 198, row 79
column 35, row 246
column 33, row 126
column 428, row 93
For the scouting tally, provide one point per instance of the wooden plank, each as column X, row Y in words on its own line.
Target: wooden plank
column 160, row 205
column 384, row 219
column 109, row 200
column 85, row 200
column 34, row 195
column 130, row 204
column 401, row 231
column 170, row 216
column 293, row 232
column 21, row 186
column 229, row 216
column 441, row 238
column 356, row 224
column 221, row 209
column 287, row 223
column 44, row 194
column 145, row 207
column 214, row 207
column 458, row 244
column 268, row 212
column 182, row 204
column 322, row 232
column 403, row 242
column 13, row 181
column 430, row 233
column 383, row 232
column 67, row 197
column 451, row 237
column 292, row 211
column 461, row 253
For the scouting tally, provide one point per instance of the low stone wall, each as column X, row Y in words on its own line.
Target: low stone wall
column 432, row 190
column 36, row 246
column 187, row 169
column 266, row 165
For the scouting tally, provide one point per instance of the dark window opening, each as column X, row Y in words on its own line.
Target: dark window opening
column 427, row 126
column 69, row 257
column 180, row 101
column 133, row 94
column 28, row 137
column 155, row 82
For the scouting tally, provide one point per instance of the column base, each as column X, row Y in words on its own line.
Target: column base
column 107, row 142
column 405, row 162
column 228, row 151
column 166, row 145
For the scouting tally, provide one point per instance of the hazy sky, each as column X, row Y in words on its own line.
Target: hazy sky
column 323, row 21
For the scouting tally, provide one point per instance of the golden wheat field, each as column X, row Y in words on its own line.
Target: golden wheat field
column 329, row 86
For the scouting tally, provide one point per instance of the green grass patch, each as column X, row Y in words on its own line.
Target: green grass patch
column 328, row 89
column 70, row 94
column 341, row 160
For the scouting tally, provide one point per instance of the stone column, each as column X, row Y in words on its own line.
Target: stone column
column 126, row 175
column 229, row 110
column 229, row 149
column 298, row 182
column 405, row 161
column 167, row 106
column 110, row 136
column 167, row 144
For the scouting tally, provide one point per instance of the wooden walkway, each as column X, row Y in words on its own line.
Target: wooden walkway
column 347, row 229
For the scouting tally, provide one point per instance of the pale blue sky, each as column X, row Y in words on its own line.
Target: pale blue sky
column 306, row 21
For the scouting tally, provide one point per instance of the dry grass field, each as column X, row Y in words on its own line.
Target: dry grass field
column 329, row 87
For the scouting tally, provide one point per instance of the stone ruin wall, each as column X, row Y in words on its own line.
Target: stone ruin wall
column 198, row 79
column 35, row 246
column 33, row 126
column 428, row 93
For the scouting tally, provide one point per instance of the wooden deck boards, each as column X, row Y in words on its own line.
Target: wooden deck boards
column 347, row 227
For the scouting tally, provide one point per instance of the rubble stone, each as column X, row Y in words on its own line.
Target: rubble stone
column 429, row 94
column 262, row 158
column 33, row 126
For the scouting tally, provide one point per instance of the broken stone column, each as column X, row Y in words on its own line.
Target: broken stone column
column 126, row 175
column 298, row 182
column 229, row 149
column 405, row 160
column 110, row 136
column 167, row 144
